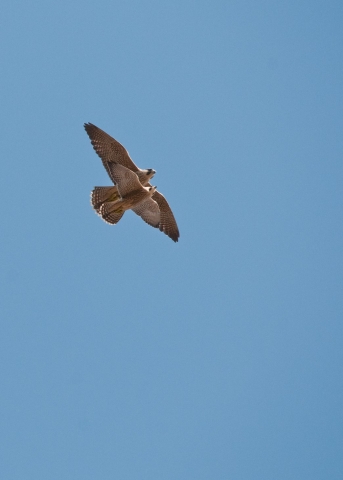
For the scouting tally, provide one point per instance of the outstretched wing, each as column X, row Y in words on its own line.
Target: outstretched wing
column 108, row 149
column 168, row 223
column 126, row 180
column 149, row 211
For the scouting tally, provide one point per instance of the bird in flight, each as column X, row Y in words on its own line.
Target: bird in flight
column 132, row 189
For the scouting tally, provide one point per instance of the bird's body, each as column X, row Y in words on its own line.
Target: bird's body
column 132, row 189
column 130, row 193
column 130, row 200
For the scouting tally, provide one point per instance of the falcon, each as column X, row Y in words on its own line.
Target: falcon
column 111, row 202
column 132, row 196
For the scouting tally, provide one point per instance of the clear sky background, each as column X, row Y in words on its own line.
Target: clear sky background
column 126, row 356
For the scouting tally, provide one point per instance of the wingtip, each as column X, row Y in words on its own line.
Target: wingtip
column 88, row 126
column 172, row 235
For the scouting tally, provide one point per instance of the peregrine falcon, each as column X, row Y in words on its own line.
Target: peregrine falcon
column 132, row 189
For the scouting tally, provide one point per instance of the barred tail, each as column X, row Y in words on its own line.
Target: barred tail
column 100, row 195
column 111, row 212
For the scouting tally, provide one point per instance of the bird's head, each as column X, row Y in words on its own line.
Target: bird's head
column 146, row 175
column 150, row 173
column 152, row 190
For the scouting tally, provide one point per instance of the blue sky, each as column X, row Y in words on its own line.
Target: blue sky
column 124, row 355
